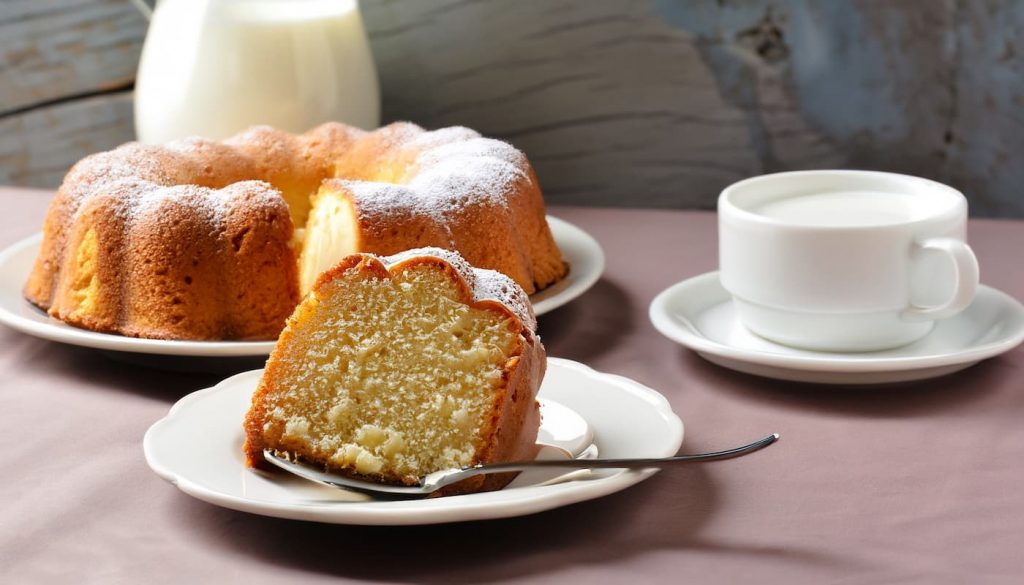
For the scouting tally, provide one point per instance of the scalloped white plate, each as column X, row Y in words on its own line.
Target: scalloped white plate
column 626, row 418
column 581, row 251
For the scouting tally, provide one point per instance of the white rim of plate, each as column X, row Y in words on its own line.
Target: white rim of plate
column 678, row 328
column 579, row 248
column 586, row 265
column 525, row 500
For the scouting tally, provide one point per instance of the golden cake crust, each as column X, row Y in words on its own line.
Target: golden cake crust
column 201, row 239
column 158, row 265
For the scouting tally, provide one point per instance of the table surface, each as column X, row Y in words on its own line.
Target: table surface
column 916, row 483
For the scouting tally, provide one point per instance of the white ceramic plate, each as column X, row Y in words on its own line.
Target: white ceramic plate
column 584, row 254
column 627, row 420
column 586, row 263
column 699, row 314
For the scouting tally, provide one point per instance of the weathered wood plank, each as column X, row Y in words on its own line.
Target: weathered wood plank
column 666, row 102
column 986, row 126
column 612, row 105
column 38, row 147
column 52, row 49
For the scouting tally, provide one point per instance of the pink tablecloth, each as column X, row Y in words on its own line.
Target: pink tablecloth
column 918, row 483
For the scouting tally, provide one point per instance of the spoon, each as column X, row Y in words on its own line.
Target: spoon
column 439, row 479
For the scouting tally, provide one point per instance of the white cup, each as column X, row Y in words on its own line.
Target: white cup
column 844, row 260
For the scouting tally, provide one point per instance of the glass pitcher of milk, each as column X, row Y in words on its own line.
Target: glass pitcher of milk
column 215, row 67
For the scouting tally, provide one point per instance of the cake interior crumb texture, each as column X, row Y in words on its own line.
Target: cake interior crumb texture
column 391, row 378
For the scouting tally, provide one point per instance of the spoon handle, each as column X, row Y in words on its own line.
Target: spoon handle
column 624, row 463
column 439, row 479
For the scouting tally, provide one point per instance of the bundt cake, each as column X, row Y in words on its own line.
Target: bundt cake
column 218, row 240
column 392, row 368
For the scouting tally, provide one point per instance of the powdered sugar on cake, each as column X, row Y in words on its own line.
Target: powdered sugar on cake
column 455, row 168
column 141, row 201
column 441, row 188
column 485, row 284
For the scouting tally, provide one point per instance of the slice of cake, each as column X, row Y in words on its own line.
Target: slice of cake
column 393, row 368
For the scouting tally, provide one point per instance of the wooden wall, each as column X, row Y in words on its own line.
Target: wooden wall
column 617, row 102
column 66, row 73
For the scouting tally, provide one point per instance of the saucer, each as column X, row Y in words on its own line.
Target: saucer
column 699, row 314
column 584, row 412
column 580, row 249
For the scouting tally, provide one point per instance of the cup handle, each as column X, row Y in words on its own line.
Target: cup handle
column 966, row 266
